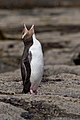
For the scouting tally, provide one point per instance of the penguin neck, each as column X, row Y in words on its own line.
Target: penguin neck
column 34, row 39
column 27, row 44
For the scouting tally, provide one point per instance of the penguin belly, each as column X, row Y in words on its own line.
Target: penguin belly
column 36, row 69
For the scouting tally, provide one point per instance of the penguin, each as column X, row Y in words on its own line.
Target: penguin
column 32, row 62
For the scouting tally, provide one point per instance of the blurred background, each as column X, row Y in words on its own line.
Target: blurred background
column 57, row 26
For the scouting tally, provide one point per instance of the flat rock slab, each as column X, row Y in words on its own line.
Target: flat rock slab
column 10, row 112
column 50, row 70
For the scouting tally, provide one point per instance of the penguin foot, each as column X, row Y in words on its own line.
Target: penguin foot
column 33, row 92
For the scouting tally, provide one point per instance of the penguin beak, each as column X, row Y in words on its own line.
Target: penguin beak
column 32, row 27
column 25, row 31
column 31, row 31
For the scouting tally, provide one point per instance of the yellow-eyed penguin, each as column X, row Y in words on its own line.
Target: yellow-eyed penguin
column 32, row 61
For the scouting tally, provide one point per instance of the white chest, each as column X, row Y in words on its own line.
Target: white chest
column 36, row 62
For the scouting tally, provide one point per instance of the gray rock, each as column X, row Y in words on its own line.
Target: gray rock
column 58, row 95
column 62, row 20
column 9, row 112
column 50, row 70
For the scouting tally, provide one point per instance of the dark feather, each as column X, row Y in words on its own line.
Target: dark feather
column 26, row 71
column 30, row 56
column 25, row 64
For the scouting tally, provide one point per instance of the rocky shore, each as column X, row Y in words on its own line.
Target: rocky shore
column 58, row 95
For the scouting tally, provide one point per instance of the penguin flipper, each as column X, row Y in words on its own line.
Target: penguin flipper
column 23, row 72
column 26, row 72
column 25, row 78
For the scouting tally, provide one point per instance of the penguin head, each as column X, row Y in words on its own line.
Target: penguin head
column 27, row 34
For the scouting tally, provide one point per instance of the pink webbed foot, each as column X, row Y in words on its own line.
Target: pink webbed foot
column 33, row 92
